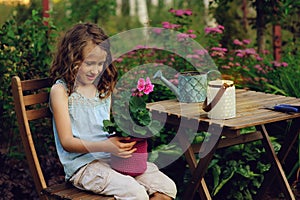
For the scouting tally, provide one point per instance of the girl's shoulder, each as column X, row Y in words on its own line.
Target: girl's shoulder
column 61, row 82
column 58, row 96
column 59, row 87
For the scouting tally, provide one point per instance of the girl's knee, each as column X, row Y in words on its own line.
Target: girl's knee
column 138, row 192
column 172, row 189
column 129, row 188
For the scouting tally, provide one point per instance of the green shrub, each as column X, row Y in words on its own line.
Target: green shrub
column 25, row 50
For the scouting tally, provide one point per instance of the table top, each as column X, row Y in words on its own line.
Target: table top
column 250, row 110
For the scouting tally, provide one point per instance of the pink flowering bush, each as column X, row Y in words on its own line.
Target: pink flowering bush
column 248, row 68
column 182, row 20
column 240, row 62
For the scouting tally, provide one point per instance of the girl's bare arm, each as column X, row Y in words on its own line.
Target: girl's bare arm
column 59, row 105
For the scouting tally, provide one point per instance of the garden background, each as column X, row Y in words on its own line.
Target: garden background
column 254, row 43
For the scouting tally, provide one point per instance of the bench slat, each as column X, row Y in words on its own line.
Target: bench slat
column 67, row 191
column 38, row 113
column 35, row 84
column 36, row 98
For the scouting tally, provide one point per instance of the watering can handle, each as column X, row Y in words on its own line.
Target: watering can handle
column 216, row 99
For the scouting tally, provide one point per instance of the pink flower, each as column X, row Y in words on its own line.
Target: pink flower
column 201, row 51
column 157, row 31
column 179, row 12
column 276, row 64
column 240, row 55
column 284, row 64
column 217, row 53
column 134, row 92
column 219, row 49
column 237, row 42
column 141, row 84
column 209, row 30
column 192, row 36
column 258, row 67
column 225, row 67
column 142, row 72
column 148, row 81
column 182, row 36
column 188, row 12
column 250, row 51
column 266, row 52
column 246, row 41
column 221, row 27
column 149, row 86
column 172, row 10
column 119, row 59
column 168, row 25
column 258, row 58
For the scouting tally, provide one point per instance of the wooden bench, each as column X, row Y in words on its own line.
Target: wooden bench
column 31, row 103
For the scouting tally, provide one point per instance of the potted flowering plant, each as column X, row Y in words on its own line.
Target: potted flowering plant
column 136, row 124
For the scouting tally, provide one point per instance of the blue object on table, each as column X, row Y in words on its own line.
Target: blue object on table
column 286, row 108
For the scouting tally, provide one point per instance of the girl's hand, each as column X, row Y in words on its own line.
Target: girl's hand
column 121, row 149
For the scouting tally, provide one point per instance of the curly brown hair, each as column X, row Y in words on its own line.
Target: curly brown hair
column 69, row 57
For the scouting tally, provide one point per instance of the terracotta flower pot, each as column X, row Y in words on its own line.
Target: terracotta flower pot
column 135, row 165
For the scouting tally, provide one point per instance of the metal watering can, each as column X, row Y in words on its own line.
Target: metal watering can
column 220, row 102
column 218, row 96
column 192, row 85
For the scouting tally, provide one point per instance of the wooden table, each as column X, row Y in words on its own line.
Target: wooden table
column 251, row 112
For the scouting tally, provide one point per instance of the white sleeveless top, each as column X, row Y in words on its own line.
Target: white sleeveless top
column 87, row 115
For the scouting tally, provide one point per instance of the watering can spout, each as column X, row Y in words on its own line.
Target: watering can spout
column 159, row 75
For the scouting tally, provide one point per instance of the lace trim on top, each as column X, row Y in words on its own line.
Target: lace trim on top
column 76, row 98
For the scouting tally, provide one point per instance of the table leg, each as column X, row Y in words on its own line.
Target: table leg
column 276, row 165
column 192, row 162
column 197, row 181
column 289, row 140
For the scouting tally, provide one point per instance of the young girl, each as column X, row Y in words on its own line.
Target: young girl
column 84, row 78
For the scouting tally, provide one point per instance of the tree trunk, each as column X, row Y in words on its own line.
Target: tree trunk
column 46, row 8
column 119, row 8
column 261, row 26
column 277, row 42
column 206, row 11
column 132, row 8
column 245, row 15
column 143, row 12
column 154, row 2
column 276, row 33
